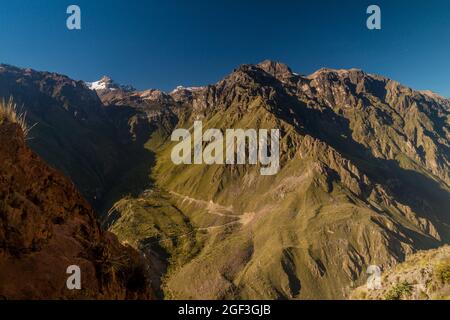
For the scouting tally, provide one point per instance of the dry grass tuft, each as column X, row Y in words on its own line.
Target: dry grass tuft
column 10, row 112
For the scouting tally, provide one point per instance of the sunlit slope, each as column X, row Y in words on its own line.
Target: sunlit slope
column 336, row 206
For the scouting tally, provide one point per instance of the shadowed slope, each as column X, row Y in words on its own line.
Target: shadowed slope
column 46, row 226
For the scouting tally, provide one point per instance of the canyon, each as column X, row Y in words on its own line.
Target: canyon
column 362, row 177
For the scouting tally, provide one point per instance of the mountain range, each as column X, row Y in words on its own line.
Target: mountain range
column 363, row 180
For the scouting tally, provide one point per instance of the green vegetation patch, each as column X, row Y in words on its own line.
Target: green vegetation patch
column 399, row 291
column 443, row 272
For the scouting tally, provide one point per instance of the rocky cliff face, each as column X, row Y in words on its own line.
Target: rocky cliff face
column 46, row 226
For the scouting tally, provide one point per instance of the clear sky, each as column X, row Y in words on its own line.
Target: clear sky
column 162, row 44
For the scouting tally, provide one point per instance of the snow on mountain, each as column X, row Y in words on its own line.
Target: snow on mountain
column 106, row 83
column 181, row 88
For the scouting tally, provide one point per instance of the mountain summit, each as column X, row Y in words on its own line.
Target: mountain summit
column 277, row 69
column 106, row 83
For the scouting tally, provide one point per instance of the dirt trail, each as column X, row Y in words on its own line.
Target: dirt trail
column 212, row 208
column 217, row 209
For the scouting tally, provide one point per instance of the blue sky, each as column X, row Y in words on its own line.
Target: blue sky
column 162, row 44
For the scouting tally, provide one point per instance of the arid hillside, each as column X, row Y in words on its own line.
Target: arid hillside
column 46, row 226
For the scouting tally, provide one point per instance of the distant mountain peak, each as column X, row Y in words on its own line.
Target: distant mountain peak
column 275, row 68
column 182, row 88
column 106, row 83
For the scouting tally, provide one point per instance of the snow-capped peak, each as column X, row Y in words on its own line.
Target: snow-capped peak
column 181, row 88
column 106, row 83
